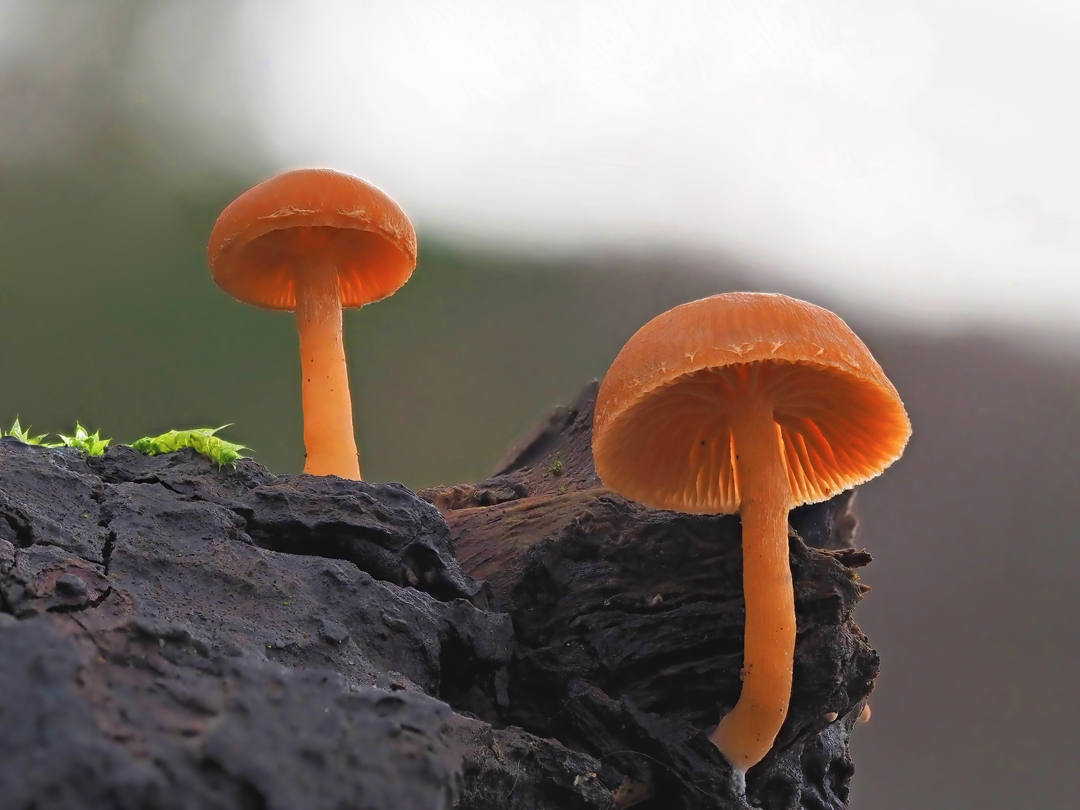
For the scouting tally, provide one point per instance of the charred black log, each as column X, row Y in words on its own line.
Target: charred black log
column 174, row 634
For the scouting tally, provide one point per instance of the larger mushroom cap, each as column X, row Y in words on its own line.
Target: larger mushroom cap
column 278, row 226
column 661, row 431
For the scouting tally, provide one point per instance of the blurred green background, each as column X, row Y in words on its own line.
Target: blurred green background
column 108, row 315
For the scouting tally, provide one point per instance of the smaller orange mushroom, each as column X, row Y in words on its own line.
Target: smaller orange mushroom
column 313, row 241
column 755, row 404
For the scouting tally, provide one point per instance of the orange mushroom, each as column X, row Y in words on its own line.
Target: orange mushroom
column 755, row 404
column 313, row 241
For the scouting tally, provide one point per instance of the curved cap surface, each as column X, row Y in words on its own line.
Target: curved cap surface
column 661, row 433
column 311, row 215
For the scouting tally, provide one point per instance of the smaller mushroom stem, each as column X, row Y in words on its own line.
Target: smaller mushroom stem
column 328, row 425
column 747, row 732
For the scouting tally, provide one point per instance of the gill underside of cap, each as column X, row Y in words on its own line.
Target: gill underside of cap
column 674, row 448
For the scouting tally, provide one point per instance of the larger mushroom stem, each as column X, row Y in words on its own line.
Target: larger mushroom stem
column 328, row 425
column 747, row 733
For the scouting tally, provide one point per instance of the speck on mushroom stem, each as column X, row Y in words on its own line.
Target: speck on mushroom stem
column 747, row 732
column 328, row 426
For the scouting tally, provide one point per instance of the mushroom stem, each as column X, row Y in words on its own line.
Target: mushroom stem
column 747, row 733
column 328, row 425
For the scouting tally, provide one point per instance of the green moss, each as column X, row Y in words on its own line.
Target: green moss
column 202, row 440
column 22, row 435
column 89, row 443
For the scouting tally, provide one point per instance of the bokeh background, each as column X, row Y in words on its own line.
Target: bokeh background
column 575, row 168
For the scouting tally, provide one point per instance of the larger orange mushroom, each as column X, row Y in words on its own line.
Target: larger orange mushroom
column 313, row 241
column 755, row 404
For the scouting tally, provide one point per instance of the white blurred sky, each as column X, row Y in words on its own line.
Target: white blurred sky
column 921, row 156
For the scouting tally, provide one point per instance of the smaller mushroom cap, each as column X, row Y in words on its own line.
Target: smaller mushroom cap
column 661, row 433
column 308, row 215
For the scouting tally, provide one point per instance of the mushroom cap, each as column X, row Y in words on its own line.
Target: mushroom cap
column 311, row 215
column 660, row 431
